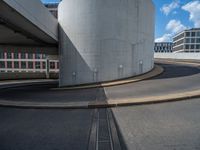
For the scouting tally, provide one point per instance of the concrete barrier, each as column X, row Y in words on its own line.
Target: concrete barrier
column 190, row 56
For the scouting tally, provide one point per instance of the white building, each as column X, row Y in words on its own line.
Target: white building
column 163, row 47
column 187, row 41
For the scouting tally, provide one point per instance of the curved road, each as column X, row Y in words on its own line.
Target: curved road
column 175, row 78
column 167, row 126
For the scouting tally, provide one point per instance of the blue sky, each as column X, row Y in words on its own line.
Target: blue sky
column 172, row 16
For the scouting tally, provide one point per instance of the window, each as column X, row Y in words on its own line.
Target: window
column 2, row 64
column 192, row 47
column 197, row 46
column 192, row 40
column 37, row 65
column 193, row 34
column 30, row 56
column 23, row 56
column 16, row 64
column 187, row 40
column 58, row 65
column 30, row 65
column 187, row 34
column 52, row 65
column 9, row 64
column 37, row 56
column 16, row 55
column 198, row 40
column 186, row 46
column 9, row 55
column 1, row 55
column 198, row 33
column 44, row 65
column 43, row 56
column 23, row 65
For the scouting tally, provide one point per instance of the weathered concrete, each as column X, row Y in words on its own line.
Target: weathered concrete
column 105, row 40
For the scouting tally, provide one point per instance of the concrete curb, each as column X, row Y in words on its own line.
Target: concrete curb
column 157, row 70
column 171, row 97
column 103, row 104
column 11, row 84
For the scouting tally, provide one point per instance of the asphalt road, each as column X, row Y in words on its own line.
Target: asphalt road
column 30, row 129
column 176, row 78
column 167, row 126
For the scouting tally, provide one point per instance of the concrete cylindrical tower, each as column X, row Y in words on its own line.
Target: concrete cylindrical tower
column 102, row 40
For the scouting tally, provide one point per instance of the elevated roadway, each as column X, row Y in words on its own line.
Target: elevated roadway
column 27, row 23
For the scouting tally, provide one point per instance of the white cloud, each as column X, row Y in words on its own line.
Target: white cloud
column 194, row 9
column 164, row 38
column 167, row 8
column 175, row 26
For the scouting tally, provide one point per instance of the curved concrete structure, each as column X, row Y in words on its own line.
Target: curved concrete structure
column 105, row 40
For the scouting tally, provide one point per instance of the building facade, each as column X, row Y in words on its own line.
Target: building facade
column 163, row 47
column 26, row 65
column 105, row 40
column 187, row 41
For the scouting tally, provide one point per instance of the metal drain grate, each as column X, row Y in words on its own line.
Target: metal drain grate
column 103, row 134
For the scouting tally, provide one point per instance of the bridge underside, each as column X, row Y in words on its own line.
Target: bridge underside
column 20, row 28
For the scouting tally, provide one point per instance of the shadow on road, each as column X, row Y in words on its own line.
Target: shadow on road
column 175, row 71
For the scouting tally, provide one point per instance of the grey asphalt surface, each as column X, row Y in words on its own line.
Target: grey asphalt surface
column 29, row 129
column 176, row 78
column 167, row 126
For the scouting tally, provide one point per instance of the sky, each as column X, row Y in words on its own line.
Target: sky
column 172, row 16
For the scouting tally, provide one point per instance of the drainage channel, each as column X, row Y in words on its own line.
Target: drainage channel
column 103, row 133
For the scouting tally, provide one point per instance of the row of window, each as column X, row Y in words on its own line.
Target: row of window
column 10, row 55
column 163, row 44
column 192, row 46
column 27, row 65
column 192, row 51
column 192, row 40
column 178, row 37
column 188, row 34
column 166, row 51
column 162, row 48
column 192, row 34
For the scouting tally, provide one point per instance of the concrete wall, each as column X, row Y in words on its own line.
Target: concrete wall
column 35, row 12
column 105, row 39
column 194, row 56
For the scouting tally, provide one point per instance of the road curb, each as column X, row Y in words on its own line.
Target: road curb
column 171, row 97
column 103, row 104
column 156, row 71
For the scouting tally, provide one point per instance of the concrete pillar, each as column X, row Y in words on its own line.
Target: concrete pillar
column 104, row 40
